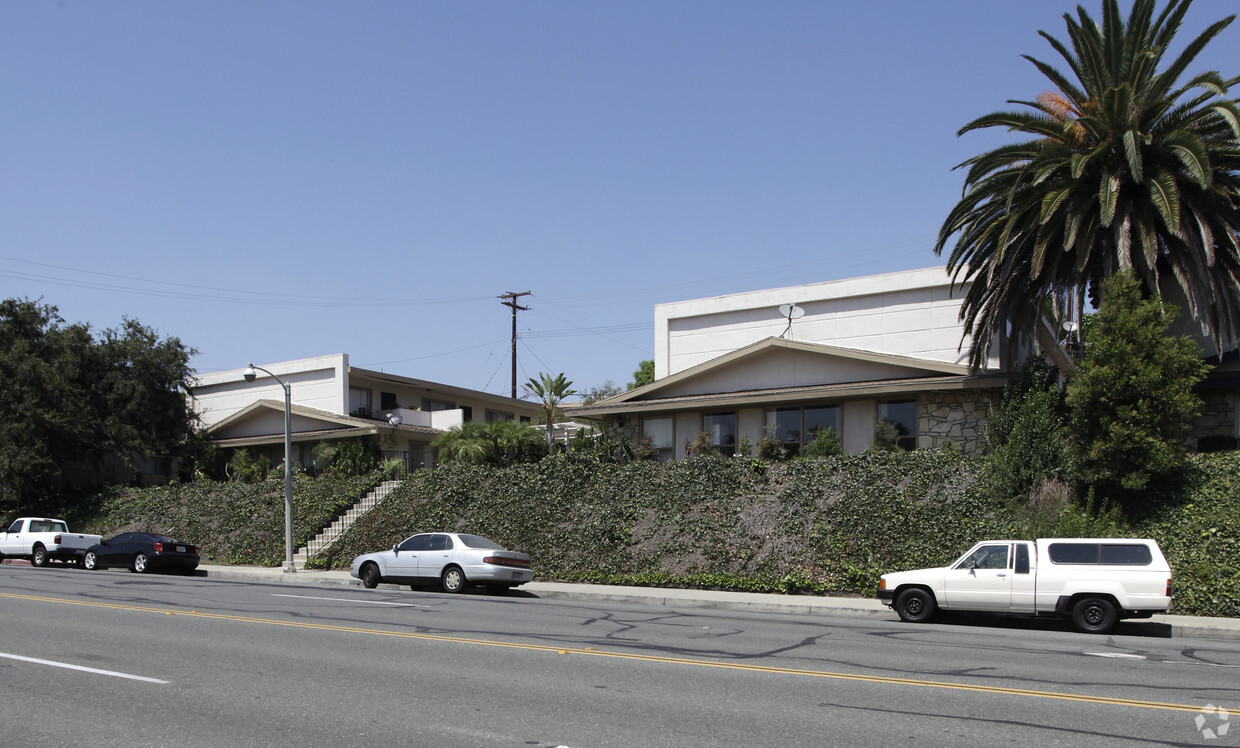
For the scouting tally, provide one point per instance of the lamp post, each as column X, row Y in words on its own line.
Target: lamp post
column 249, row 374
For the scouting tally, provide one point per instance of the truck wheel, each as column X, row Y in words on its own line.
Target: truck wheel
column 139, row 563
column 1093, row 615
column 90, row 561
column 915, row 605
column 38, row 556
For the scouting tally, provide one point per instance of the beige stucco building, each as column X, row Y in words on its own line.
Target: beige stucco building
column 332, row 400
column 791, row 361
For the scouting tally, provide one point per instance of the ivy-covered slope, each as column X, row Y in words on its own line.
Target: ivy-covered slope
column 235, row 523
column 809, row 526
column 821, row 527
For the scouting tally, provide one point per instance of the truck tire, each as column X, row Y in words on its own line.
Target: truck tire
column 915, row 605
column 38, row 556
column 1093, row 615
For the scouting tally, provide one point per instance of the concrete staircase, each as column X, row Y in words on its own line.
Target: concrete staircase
column 343, row 522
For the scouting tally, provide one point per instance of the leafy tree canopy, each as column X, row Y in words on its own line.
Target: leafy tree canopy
column 71, row 399
column 643, row 375
column 600, row 392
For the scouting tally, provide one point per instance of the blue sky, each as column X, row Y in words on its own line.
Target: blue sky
column 275, row 180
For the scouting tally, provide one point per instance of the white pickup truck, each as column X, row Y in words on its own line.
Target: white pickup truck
column 1095, row 581
column 41, row 540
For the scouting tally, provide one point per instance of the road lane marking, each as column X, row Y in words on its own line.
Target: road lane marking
column 351, row 600
column 97, row 671
column 590, row 651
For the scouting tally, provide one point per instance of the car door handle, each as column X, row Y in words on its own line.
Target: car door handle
column 1001, row 574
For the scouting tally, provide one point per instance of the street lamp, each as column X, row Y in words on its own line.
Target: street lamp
column 249, row 374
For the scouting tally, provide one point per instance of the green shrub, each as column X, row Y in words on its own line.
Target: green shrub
column 826, row 443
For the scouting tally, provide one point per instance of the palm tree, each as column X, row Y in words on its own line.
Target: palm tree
column 1127, row 168
column 469, row 442
column 515, row 441
column 551, row 390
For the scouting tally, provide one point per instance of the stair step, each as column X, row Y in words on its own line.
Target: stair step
column 342, row 523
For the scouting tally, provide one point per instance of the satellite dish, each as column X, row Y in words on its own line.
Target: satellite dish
column 1070, row 327
column 790, row 312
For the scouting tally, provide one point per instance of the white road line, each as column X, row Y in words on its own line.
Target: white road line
column 351, row 600
column 1117, row 655
column 67, row 666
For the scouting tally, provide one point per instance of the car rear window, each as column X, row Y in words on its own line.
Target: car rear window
column 1109, row 554
column 477, row 541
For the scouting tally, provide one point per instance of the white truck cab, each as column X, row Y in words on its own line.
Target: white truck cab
column 1096, row 581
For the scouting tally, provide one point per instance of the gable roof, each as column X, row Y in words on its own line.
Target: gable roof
column 308, row 424
column 876, row 373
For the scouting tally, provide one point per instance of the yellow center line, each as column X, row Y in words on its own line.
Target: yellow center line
column 633, row 656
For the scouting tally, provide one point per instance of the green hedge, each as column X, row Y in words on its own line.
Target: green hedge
column 232, row 523
column 829, row 526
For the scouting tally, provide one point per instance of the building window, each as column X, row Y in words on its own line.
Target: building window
column 387, row 401
column 722, row 430
column 659, row 433
column 359, row 402
column 430, row 405
column 796, row 427
column 903, row 415
column 494, row 416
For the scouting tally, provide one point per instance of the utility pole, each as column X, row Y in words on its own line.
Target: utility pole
column 511, row 301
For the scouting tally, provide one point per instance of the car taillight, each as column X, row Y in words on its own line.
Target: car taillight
column 56, row 540
column 159, row 547
column 1168, row 586
column 503, row 561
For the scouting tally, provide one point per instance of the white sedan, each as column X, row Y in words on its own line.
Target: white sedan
column 454, row 560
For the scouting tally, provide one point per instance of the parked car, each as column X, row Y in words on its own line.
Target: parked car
column 454, row 560
column 142, row 552
column 1093, row 581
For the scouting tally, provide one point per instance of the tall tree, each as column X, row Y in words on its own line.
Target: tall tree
column 552, row 391
column 1131, row 398
column 1128, row 167
column 69, row 399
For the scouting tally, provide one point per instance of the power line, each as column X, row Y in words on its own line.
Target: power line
column 224, row 295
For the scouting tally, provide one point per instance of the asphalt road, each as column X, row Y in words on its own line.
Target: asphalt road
column 112, row 658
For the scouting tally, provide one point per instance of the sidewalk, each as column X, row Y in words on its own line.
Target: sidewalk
column 1176, row 626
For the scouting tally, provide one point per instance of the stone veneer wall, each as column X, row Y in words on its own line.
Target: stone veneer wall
column 1218, row 416
column 953, row 417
